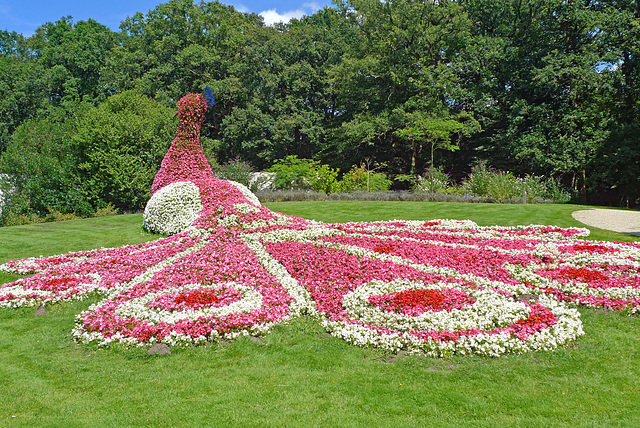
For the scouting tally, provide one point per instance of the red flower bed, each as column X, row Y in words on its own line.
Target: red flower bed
column 415, row 302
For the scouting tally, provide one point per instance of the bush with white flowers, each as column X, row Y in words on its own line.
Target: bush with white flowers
column 173, row 208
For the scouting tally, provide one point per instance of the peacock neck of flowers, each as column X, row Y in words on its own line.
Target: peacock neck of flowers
column 191, row 110
column 188, row 133
column 185, row 160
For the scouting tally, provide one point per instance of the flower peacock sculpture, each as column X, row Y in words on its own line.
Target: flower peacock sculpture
column 232, row 267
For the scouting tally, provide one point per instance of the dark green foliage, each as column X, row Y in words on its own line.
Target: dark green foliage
column 72, row 56
column 121, row 144
column 235, row 170
column 40, row 168
column 21, row 95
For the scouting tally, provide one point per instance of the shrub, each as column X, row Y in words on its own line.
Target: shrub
column 556, row 192
column 303, row 174
column 234, row 170
column 108, row 210
column 39, row 168
column 434, row 180
column 290, row 195
column 173, row 208
column 266, row 196
column 503, row 186
column 359, row 178
column 12, row 219
column 121, row 145
column 55, row 215
column 478, row 181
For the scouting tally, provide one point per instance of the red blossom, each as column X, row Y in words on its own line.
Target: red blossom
column 414, row 302
column 582, row 274
column 198, row 297
column 384, row 249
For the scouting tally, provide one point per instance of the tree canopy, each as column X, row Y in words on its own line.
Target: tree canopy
column 534, row 87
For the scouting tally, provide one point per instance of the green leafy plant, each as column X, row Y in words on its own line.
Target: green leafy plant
column 503, row 186
column 361, row 178
column 121, row 145
column 434, row 180
column 235, row 170
column 105, row 211
column 303, row 174
column 39, row 168
column 55, row 215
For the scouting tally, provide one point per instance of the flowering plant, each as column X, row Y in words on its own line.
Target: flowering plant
column 232, row 267
column 173, row 208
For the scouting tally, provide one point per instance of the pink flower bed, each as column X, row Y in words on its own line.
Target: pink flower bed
column 218, row 290
column 437, row 287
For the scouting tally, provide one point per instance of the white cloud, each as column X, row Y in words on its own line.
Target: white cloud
column 271, row 16
column 312, row 5
column 241, row 8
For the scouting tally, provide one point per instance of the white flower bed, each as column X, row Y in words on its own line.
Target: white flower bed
column 173, row 208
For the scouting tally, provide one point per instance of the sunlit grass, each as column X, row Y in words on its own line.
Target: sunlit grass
column 298, row 375
column 483, row 214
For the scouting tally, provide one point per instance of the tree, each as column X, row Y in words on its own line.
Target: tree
column 400, row 66
column 20, row 84
column 435, row 131
column 280, row 92
column 41, row 166
column 21, row 95
column 177, row 48
column 121, row 144
column 72, row 56
column 534, row 81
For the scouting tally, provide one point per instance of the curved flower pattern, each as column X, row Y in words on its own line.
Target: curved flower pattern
column 173, row 208
column 233, row 268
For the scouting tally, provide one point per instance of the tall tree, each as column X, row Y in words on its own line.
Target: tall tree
column 281, row 92
column 72, row 56
column 617, row 175
column 401, row 67
column 21, row 98
column 176, row 48
column 540, row 96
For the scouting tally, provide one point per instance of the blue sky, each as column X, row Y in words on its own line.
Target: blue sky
column 24, row 16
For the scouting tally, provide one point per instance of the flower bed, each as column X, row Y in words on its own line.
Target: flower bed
column 359, row 293
column 73, row 276
column 236, row 268
column 217, row 291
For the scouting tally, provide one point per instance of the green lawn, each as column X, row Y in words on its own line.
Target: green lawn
column 298, row 375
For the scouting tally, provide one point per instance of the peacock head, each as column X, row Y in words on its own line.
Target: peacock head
column 191, row 108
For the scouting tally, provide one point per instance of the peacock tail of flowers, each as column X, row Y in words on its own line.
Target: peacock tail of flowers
column 231, row 267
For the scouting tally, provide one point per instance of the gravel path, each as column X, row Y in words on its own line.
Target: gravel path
column 615, row 220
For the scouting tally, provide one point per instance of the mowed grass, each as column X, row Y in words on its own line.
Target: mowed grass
column 482, row 214
column 298, row 375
